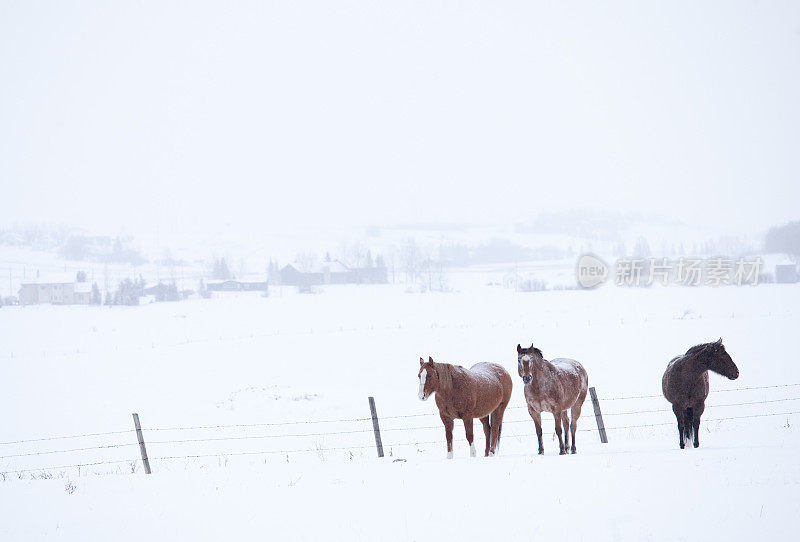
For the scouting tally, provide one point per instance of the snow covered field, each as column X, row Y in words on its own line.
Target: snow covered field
column 240, row 362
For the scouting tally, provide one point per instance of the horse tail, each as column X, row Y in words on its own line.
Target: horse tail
column 688, row 427
column 492, row 421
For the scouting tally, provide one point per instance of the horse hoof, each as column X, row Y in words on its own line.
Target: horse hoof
column 541, row 452
column 574, row 451
column 562, row 452
column 696, row 444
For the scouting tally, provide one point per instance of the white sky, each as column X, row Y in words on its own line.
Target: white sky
column 204, row 115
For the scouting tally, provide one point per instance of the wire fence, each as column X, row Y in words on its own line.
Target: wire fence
column 352, row 436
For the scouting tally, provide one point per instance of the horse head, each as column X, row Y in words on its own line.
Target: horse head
column 526, row 357
column 428, row 379
column 718, row 360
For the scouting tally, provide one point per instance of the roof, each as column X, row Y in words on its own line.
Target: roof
column 83, row 288
column 770, row 260
column 52, row 278
column 334, row 266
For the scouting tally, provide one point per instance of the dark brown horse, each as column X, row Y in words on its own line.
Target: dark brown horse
column 685, row 385
column 481, row 392
column 553, row 386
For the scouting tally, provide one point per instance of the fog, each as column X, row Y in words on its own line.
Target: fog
column 266, row 117
column 267, row 229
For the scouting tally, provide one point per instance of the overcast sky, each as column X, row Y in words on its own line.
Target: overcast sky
column 203, row 115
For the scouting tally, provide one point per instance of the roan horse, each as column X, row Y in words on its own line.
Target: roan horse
column 553, row 386
column 685, row 385
column 482, row 392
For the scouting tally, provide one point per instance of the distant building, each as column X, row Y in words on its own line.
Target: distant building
column 55, row 292
column 157, row 290
column 332, row 272
column 786, row 273
column 237, row 286
column 82, row 293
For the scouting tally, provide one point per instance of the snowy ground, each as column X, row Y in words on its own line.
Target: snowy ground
column 242, row 361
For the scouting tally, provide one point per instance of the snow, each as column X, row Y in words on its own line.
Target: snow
column 242, row 361
column 565, row 365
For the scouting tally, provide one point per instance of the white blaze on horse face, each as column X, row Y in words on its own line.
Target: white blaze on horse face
column 526, row 365
column 423, row 376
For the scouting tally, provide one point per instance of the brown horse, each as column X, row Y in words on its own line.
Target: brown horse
column 553, row 386
column 685, row 385
column 481, row 392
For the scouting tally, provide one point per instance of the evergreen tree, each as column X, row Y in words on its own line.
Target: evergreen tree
column 161, row 292
column 221, row 271
column 642, row 248
column 172, row 292
column 201, row 290
column 96, row 298
column 274, row 272
column 784, row 239
column 127, row 293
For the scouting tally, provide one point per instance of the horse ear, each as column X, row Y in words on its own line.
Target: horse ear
column 421, row 361
column 533, row 347
column 430, row 360
column 719, row 341
column 519, row 349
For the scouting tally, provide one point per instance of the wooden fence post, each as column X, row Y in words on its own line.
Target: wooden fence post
column 601, row 427
column 375, row 426
column 141, row 443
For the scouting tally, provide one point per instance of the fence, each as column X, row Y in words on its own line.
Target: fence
column 355, row 437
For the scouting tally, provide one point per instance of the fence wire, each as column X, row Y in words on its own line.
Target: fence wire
column 365, row 430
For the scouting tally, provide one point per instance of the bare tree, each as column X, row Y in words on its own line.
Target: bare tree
column 391, row 259
column 351, row 254
column 411, row 259
column 306, row 261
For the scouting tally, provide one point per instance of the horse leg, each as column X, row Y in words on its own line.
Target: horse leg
column 486, row 432
column 537, row 421
column 688, row 423
column 448, row 434
column 470, row 436
column 565, row 422
column 557, row 416
column 497, row 429
column 679, row 415
column 697, row 411
column 576, row 413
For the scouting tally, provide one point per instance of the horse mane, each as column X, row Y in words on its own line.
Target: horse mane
column 699, row 349
column 445, row 371
column 532, row 350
